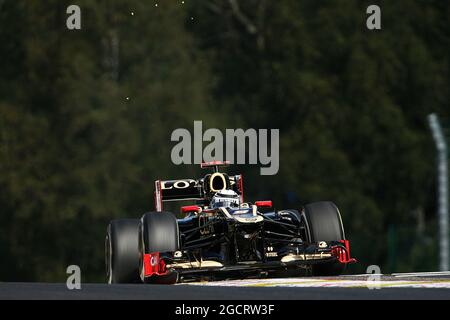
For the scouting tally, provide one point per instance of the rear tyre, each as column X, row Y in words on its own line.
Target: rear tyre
column 122, row 251
column 158, row 232
column 323, row 223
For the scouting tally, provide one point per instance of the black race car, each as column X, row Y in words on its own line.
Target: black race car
column 223, row 236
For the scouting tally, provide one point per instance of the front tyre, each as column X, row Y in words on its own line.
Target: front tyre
column 122, row 251
column 158, row 232
column 323, row 223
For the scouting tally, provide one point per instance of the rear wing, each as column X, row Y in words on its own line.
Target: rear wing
column 190, row 189
column 215, row 165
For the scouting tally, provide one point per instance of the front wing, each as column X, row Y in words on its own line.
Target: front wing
column 156, row 265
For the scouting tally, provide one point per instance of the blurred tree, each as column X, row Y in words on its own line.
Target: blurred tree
column 86, row 118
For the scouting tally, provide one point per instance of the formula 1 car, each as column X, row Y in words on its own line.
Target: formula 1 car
column 223, row 236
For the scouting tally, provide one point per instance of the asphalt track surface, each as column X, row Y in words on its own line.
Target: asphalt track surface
column 398, row 287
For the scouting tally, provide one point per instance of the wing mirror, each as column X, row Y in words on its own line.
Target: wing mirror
column 264, row 204
column 187, row 209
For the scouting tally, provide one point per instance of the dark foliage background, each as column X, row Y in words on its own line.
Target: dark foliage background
column 86, row 117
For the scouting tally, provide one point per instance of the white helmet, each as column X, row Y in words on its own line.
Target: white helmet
column 225, row 198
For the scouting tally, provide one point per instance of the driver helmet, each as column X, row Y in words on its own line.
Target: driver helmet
column 225, row 198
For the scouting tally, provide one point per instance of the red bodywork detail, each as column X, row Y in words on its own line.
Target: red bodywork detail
column 214, row 163
column 264, row 204
column 241, row 187
column 158, row 196
column 153, row 265
column 187, row 209
column 342, row 252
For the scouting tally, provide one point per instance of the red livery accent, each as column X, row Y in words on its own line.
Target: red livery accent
column 343, row 252
column 264, row 204
column 187, row 209
column 241, row 187
column 153, row 265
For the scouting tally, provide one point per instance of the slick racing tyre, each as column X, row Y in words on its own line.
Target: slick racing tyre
column 158, row 232
column 323, row 223
column 122, row 251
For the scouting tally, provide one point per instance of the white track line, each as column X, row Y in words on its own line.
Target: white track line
column 316, row 282
column 343, row 281
column 361, row 275
column 422, row 274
